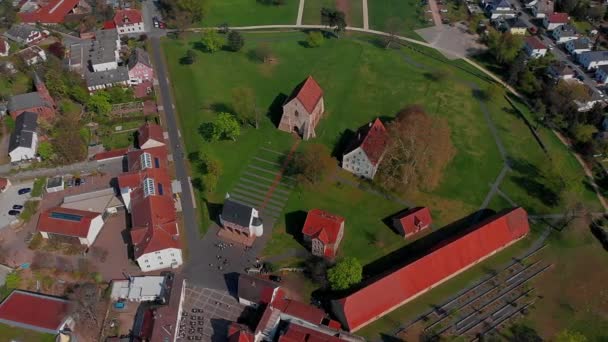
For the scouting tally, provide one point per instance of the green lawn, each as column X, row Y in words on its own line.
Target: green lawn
column 9, row 333
column 353, row 11
column 408, row 13
column 250, row 12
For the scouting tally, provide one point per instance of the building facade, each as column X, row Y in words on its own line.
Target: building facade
column 241, row 219
column 323, row 233
column 366, row 151
column 303, row 110
column 140, row 68
column 129, row 21
column 23, row 143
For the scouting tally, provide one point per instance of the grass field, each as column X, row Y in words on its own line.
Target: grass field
column 250, row 12
column 352, row 8
column 9, row 333
column 408, row 13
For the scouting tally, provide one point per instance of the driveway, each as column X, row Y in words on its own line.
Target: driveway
column 9, row 198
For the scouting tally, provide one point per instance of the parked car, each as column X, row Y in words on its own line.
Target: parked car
column 77, row 182
column 24, row 191
column 275, row 278
column 14, row 212
column 17, row 207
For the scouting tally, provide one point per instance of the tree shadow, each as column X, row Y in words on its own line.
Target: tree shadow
column 214, row 210
column 221, row 107
column 342, row 143
column 199, row 46
column 480, row 95
column 389, row 338
column 220, row 329
column 185, row 60
column 294, row 221
column 538, row 190
column 275, row 111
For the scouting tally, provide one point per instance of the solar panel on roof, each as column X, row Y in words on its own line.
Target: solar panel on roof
column 66, row 216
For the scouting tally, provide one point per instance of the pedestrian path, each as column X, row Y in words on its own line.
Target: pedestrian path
column 365, row 15
column 300, row 13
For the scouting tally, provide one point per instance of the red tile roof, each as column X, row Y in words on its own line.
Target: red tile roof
column 446, row 260
column 66, row 221
column 322, row 225
column 109, row 25
column 309, row 93
column 166, row 320
column 34, row 311
column 126, row 17
column 558, row 18
column 150, row 131
column 53, row 12
column 414, row 220
column 535, row 43
column 373, row 139
column 298, row 333
column 239, row 333
column 297, row 309
column 158, row 156
column 110, row 154
column 154, row 225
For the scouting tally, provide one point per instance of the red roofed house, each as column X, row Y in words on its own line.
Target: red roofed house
column 129, row 21
column 4, row 47
column 50, row 12
column 412, row 221
column 365, row 153
column 36, row 311
column 445, row 261
column 72, row 223
column 534, row 47
column 4, row 184
column 303, row 110
column 555, row 20
column 150, row 135
column 323, row 232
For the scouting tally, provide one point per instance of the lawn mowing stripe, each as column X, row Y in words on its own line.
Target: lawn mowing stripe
column 289, row 186
column 275, row 173
column 273, row 151
column 252, row 201
column 272, row 214
column 261, row 191
column 246, row 180
column 252, row 185
column 256, row 196
column 267, row 162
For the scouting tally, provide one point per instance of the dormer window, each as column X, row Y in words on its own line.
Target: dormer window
column 146, row 160
column 149, row 187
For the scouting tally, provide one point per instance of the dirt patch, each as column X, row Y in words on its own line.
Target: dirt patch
column 344, row 6
column 297, row 286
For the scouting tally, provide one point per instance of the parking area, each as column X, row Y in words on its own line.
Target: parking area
column 455, row 39
column 206, row 314
column 9, row 198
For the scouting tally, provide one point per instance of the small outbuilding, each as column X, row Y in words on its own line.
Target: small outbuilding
column 323, row 232
column 77, row 225
column 55, row 184
column 412, row 221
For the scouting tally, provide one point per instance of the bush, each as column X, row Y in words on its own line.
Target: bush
column 314, row 39
column 36, row 242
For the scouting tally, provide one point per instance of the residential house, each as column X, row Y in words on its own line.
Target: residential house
column 49, row 12
column 4, row 47
column 241, row 219
column 364, row 154
column 450, row 258
column 555, row 20
column 164, row 321
column 412, row 221
column 560, row 71
column 107, row 78
column 517, row 27
column 323, row 232
column 254, row 291
column 37, row 312
column 534, row 47
column 24, row 34
column 150, row 135
column 140, row 68
column 499, row 9
column 594, row 97
column 129, row 21
column 576, row 46
column 39, row 101
column 564, row 33
column 139, row 289
column 542, row 8
column 601, row 74
column 23, row 142
column 5, row 183
column 32, row 55
column 70, row 224
column 303, row 110
column 592, row 59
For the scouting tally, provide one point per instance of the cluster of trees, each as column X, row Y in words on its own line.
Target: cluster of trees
column 582, row 9
column 212, row 42
column 311, row 165
column 419, row 149
column 504, row 47
column 182, row 13
column 210, row 169
column 334, row 19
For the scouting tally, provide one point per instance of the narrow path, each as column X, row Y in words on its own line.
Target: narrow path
column 435, row 13
column 506, row 197
column 365, row 15
column 495, row 186
column 280, row 175
column 300, row 13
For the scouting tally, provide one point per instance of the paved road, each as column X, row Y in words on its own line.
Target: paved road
column 435, row 13
column 300, row 12
column 111, row 166
column 365, row 15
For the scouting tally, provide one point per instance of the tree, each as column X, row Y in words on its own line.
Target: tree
column 503, row 46
column 596, row 13
column 419, row 149
column 393, row 25
column 57, row 49
column 516, row 68
column 8, row 14
column 523, row 333
column 190, row 57
column 584, row 133
column 566, row 5
column 334, row 19
column 344, row 274
column 314, row 39
column 85, row 301
column 68, row 144
column 235, row 41
column 79, row 94
column 243, row 103
column 262, row 52
column 528, row 83
column 45, row 150
column 99, row 103
column 570, row 336
column 225, row 126
column 197, row 8
column 211, row 40
column 312, row 165
column 55, row 83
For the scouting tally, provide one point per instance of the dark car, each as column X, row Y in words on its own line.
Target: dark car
column 17, row 207
column 24, row 191
column 14, row 212
column 275, row 278
column 77, row 181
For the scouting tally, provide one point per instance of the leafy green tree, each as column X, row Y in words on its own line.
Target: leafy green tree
column 235, row 41
column 528, row 83
column 99, row 103
column 584, row 133
column 55, row 83
column 225, row 126
column 13, row 280
column 45, row 150
column 79, row 94
column 503, row 46
column 344, row 274
column 570, row 336
column 334, row 19
column 314, row 39
column 523, row 333
column 197, row 8
column 211, row 41
column 243, row 103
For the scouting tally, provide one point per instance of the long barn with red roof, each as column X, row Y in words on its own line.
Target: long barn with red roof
column 36, row 311
column 303, row 110
column 365, row 153
column 442, row 263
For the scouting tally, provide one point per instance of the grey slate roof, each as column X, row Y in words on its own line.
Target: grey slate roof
column 595, row 56
column 23, row 101
column 139, row 55
column 567, row 30
column 236, row 213
column 516, row 23
column 121, row 74
column 250, row 288
column 20, row 32
column 581, row 43
column 25, row 127
column 103, row 48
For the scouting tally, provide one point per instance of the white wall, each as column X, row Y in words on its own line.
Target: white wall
column 25, row 153
column 358, row 163
column 151, row 143
column 105, row 66
column 160, row 259
column 135, row 28
column 94, row 229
